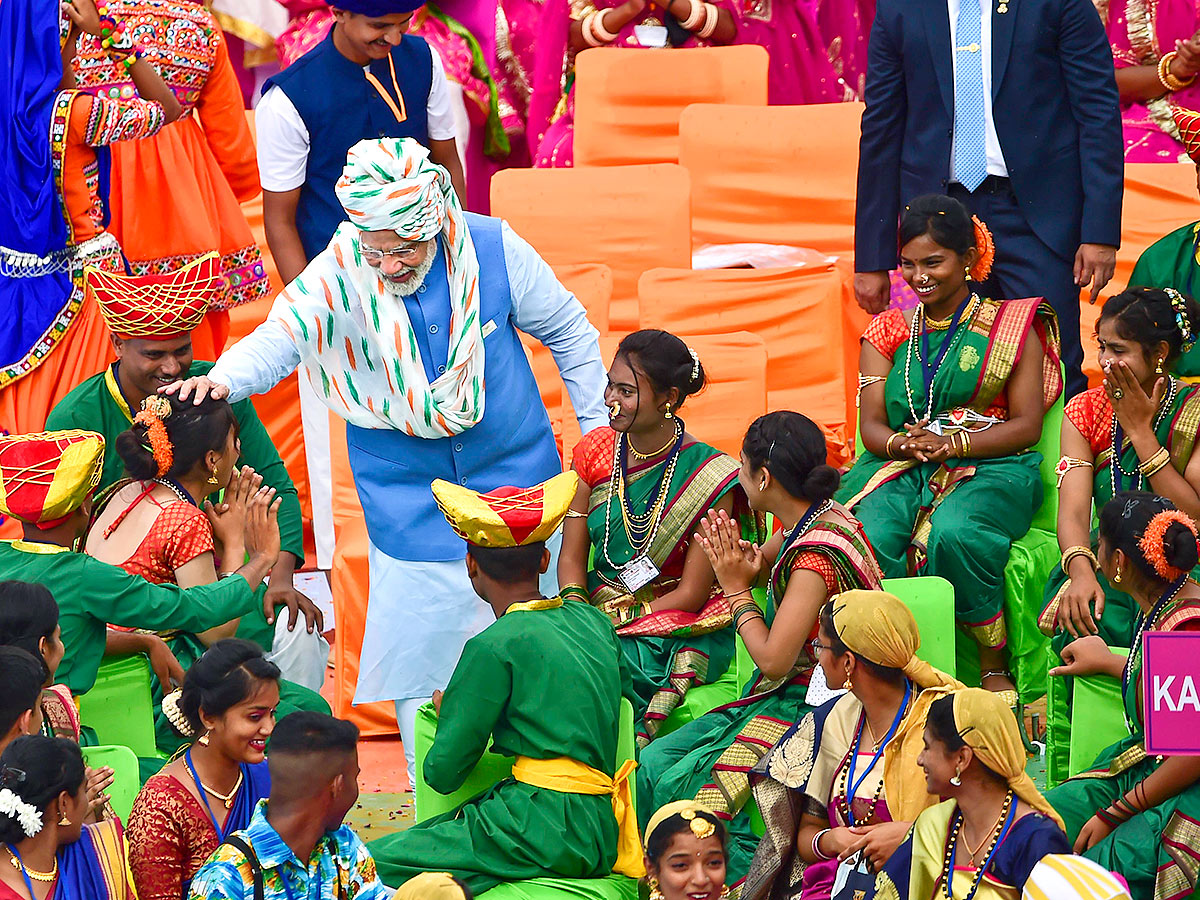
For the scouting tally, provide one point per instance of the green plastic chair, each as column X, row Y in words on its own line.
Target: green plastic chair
column 492, row 768
column 931, row 601
column 1097, row 720
column 126, row 781
column 119, row 707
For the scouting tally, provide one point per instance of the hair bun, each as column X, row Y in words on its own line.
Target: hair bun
column 1169, row 544
column 822, row 483
column 1180, row 547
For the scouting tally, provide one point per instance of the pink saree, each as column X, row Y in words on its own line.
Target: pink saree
column 800, row 67
column 1141, row 32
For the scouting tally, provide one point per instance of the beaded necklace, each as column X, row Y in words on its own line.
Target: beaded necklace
column 1003, row 824
column 918, row 334
column 1143, row 623
column 1118, row 439
column 640, row 528
column 850, row 785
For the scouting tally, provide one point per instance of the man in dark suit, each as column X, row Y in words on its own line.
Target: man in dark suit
column 1011, row 107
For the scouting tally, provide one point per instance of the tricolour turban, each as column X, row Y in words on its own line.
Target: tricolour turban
column 390, row 184
column 45, row 477
column 987, row 725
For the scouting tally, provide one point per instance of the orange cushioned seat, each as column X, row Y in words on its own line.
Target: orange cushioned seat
column 773, row 174
column 735, row 366
column 796, row 311
column 628, row 101
column 631, row 218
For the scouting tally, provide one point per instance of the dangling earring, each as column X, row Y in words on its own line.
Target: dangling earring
column 203, row 741
column 1158, row 370
column 63, row 821
column 967, row 272
column 1117, row 576
column 667, row 414
column 213, row 478
column 847, row 684
column 956, row 780
column 655, row 893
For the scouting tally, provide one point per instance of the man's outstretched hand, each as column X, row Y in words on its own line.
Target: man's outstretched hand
column 197, row 388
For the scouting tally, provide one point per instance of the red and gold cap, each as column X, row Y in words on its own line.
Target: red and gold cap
column 44, row 477
column 1188, row 123
column 507, row 516
column 156, row 307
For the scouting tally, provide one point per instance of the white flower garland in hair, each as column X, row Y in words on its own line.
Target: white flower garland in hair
column 27, row 814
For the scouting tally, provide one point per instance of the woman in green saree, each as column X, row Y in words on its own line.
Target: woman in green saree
column 1131, row 813
column 1153, row 418
column 644, row 484
column 952, row 398
column 820, row 551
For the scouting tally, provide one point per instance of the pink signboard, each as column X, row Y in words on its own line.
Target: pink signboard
column 1171, row 692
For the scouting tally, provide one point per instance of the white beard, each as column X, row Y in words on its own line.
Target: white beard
column 410, row 287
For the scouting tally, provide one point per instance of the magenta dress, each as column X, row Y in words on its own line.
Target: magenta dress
column 800, row 68
column 1141, row 32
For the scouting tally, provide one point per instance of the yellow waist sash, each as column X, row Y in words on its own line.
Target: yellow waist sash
column 569, row 776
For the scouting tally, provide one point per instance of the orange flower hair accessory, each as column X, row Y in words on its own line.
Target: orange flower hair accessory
column 1152, row 542
column 155, row 409
column 987, row 251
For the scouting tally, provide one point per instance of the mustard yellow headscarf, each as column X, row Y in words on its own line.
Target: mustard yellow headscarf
column 878, row 627
column 430, row 886
column 987, row 725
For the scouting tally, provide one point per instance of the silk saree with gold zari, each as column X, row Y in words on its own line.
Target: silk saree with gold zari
column 958, row 518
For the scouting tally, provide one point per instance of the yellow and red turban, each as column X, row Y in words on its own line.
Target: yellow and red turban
column 1188, row 123
column 156, row 307
column 45, row 477
column 507, row 516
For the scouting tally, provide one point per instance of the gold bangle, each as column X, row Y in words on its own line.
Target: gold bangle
column 1167, row 79
column 887, row 448
column 601, row 33
column 966, row 443
column 1079, row 550
column 1156, row 462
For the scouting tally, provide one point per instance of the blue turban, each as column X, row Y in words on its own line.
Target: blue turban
column 375, row 8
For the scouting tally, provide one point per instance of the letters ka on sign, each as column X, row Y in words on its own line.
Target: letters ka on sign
column 1171, row 692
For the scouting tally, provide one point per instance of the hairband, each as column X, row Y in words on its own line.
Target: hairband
column 1179, row 305
column 155, row 409
column 1152, row 542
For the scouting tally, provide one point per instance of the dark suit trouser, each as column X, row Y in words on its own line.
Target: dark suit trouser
column 1026, row 267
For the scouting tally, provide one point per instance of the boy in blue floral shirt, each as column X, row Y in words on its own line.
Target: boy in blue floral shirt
column 297, row 841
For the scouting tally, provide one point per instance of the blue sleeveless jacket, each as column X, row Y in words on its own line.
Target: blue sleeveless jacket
column 339, row 108
column 512, row 444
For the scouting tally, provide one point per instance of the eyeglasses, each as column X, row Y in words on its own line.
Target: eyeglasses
column 817, row 647
column 406, row 253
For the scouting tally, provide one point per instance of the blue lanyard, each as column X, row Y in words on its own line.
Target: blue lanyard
column 929, row 368
column 24, row 874
column 1012, row 812
column 852, row 790
column 187, row 758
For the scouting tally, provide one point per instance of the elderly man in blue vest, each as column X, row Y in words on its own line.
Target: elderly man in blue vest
column 406, row 326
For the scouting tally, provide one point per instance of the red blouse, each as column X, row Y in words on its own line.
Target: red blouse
column 181, row 533
column 1091, row 412
column 170, row 836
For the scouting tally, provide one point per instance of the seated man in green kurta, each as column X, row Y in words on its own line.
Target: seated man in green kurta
column 46, row 483
column 150, row 320
column 544, row 682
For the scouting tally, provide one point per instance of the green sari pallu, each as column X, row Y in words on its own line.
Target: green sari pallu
column 710, row 758
column 958, row 519
column 671, row 651
column 1157, row 851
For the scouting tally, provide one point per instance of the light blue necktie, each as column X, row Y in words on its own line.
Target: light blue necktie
column 970, row 142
